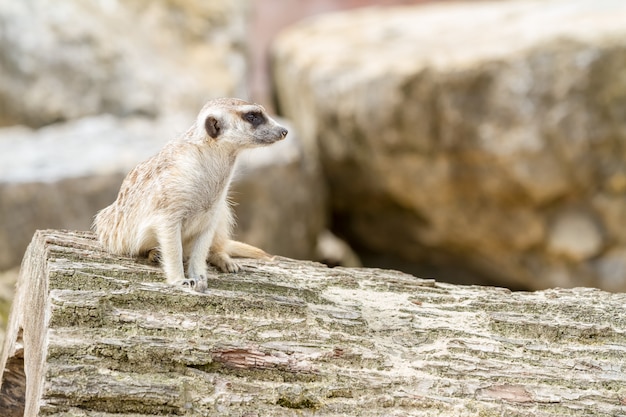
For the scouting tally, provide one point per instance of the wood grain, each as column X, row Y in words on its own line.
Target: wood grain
column 103, row 336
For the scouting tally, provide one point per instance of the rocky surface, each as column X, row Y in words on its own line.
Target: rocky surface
column 92, row 334
column 487, row 137
column 75, row 59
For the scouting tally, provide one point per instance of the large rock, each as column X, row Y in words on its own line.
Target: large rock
column 488, row 137
column 77, row 58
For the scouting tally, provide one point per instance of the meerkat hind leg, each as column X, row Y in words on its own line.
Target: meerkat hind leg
column 218, row 255
column 222, row 260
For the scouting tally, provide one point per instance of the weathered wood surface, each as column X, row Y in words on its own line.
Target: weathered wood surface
column 103, row 336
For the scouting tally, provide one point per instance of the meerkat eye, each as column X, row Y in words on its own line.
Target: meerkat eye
column 254, row 118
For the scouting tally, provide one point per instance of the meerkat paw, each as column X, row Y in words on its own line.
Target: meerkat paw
column 187, row 282
column 228, row 265
column 197, row 273
column 197, row 283
column 154, row 256
column 201, row 283
column 224, row 262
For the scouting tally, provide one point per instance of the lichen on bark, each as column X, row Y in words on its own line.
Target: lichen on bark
column 287, row 338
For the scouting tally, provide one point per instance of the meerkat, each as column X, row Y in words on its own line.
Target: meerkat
column 175, row 206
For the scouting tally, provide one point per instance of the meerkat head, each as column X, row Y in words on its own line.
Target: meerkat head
column 237, row 122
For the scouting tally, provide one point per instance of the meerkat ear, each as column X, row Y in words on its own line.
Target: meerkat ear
column 212, row 126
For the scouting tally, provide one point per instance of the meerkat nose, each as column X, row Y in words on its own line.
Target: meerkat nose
column 283, row 132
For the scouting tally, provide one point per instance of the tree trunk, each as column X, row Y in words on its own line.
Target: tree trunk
column 99, row 335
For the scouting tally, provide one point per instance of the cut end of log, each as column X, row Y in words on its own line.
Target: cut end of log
column 95, row 334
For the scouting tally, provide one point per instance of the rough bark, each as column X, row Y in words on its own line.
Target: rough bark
column 93, row 334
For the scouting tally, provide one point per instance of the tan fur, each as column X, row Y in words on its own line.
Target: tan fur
column 175, row 203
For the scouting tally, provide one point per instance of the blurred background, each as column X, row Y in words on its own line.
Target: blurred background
column 476, row 142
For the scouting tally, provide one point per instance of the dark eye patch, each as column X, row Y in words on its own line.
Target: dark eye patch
column 254, row 118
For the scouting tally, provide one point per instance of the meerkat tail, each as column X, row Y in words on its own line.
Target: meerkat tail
column 243, row 250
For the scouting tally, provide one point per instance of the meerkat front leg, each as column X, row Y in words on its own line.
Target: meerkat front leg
column 171, row 252
column 197, row 267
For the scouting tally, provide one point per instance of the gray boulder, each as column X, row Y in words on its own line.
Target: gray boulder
column 484, row 137
column 61, row 61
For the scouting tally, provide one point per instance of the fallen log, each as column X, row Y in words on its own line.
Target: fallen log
column 99, row 335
